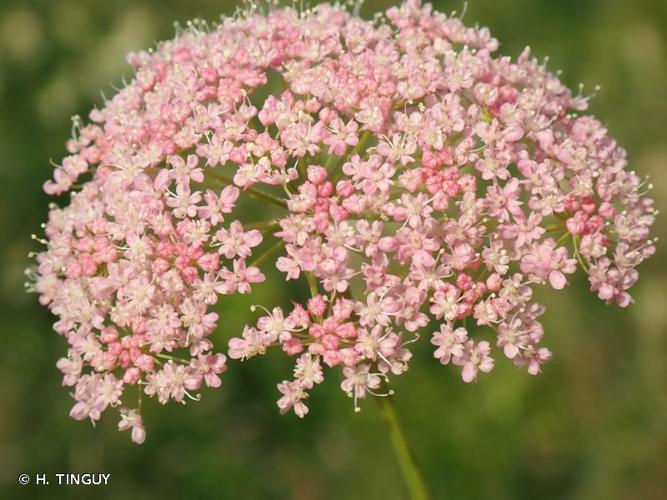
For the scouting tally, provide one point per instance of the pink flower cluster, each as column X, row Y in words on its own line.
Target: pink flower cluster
column 417, row 181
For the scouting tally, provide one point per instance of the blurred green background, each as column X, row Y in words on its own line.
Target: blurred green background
column 593, row 426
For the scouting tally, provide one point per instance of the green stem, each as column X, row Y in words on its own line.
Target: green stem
column 268, row 253
column 575, row 247
column 262, row 226
column 251, row 191
column 413, row 478
column 312, row 283
column 333, row 175
column 172, row 358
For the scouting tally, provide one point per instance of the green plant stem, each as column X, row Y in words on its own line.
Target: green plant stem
column 413, row 478
column 335, row 169
column 312, row 283
column 262, row 226
column 268, row 253
column 251, row 191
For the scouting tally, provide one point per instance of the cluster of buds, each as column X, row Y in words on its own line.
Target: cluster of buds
column 418, row 183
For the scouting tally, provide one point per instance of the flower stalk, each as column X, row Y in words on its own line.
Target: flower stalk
column 252, row 192
column 411, row 474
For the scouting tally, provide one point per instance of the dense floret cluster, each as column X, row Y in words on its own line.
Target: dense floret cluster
column 416, row 182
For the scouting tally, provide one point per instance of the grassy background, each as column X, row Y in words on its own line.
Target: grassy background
column 593, row 426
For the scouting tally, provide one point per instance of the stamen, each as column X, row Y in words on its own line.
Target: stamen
column 254, row 307
column 193, row 398
column 417, row 337
column 40, row 240
column 390, row 392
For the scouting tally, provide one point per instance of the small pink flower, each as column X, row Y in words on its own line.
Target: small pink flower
column 251, row 344
column 545, row 261
column 293, row 396
column 236, row 242
column 308, row 371
column 131, row 419
column 451, row 343
column 239, row 279
column 475, row 359
column 358, row 381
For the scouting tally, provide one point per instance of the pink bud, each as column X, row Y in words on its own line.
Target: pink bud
column 346, row 331
column 588, row 204
column 164, row 249
column 464, row 282
column 238, row 155
column 430, row 160
column 330, row 342
column 326, row 115
column 316, row 330
column 575, row 225
column 292, row 346
column 115, row 348
column 189, row 274
column 108, row 336
column 607, row 210
column 145, row 362
column 159, row 266
column 131, row 375
column 321, row 222
column 108, row 361
column 331, row 358
column 494, row 282
column 338, row 213
column 209, row 262
column 571, row 204
column 124, row 359
column 325, row 189
column 317, row 174
column 317, row 306
column 73, row 269
column 345, row 188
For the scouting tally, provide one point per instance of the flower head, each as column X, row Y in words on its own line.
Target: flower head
column 415, row 179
